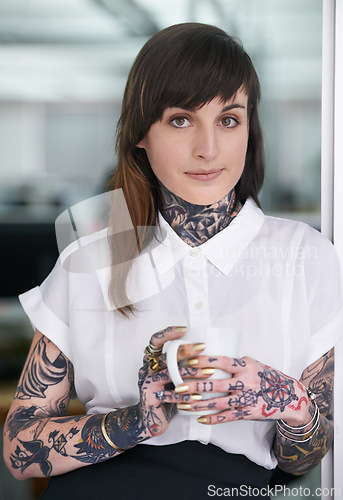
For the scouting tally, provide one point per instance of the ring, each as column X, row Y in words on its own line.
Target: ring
column 157, row 351
column 160, row 395
column 153, row 358
column 154, row 364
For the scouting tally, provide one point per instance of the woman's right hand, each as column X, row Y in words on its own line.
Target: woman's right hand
column 155, row 413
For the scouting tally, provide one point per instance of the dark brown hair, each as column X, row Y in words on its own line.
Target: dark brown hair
column 185, row 65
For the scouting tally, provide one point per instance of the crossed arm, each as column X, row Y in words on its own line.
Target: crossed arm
column 260, row 392
column 298, row 458
column 40, row 440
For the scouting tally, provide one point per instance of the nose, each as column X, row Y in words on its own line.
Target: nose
column 205, row 144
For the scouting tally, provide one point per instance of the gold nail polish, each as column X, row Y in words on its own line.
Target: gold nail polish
column 207, row 371
column 180, row 329
column 202, row 420
column 199, row 347
column 192, row 362
column 196, row 397
column 183, row 406
column 181, row 388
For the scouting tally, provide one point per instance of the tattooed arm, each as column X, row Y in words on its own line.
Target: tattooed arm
column 39, row 440
column 259, row 392
column 298, row 458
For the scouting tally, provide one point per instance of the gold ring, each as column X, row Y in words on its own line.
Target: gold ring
column 153, row 359
column 154, row 364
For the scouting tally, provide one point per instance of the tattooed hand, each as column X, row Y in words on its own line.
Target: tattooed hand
column 157, row 412
column 255, row 392
column 154, row 414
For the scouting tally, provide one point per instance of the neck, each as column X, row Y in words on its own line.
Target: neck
column 196, row 224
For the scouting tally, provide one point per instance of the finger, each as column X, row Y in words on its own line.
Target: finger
column 189, row 350
column 225, row 416
column 200, row 386
column 191, row 373
column 161, row 380
column 166, row 396
column 158, row 339
column 222, row 405
column 200, row 403
column 225, row 363
column 201, row 361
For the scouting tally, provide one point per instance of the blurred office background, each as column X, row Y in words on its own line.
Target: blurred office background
column 63, row 67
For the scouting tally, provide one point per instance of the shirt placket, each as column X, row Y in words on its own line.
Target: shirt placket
column 194, row 268
column 195, row 276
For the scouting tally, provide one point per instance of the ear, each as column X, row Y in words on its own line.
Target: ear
column 141, row 144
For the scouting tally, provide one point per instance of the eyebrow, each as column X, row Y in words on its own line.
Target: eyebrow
column 232, row 106
column 227, row 108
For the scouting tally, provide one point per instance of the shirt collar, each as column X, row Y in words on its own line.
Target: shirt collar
column 170, row 248
column 222, row 250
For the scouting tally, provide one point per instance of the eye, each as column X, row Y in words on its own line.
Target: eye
column 229, row 122
column 180, row 122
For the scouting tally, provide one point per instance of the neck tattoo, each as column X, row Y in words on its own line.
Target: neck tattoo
column 196, row 224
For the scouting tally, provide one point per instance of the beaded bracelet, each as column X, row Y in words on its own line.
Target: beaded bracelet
column 106, row 436
column 285, row 428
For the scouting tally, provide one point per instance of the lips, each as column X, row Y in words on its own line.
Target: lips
column 204, row 175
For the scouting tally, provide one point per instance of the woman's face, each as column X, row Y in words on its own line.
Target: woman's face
column 199, row 154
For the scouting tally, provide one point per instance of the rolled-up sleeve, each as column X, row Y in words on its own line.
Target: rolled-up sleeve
column 326, row 302
column 47, row 308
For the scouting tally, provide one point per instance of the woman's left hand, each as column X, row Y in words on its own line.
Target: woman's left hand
column 255, row 392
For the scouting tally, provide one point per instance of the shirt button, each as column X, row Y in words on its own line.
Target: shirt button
column 194, row 252
column 198, row 305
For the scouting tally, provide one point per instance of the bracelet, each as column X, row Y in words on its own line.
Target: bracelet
column 106, row 436
column 312, row 398
column 299, row 440
column 309, row 433
column 285, row 428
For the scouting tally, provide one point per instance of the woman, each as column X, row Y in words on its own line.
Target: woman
column 189, row 247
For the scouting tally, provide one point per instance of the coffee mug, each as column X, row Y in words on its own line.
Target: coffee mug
column 219, row 342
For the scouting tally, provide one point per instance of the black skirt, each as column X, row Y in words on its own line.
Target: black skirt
column 180, row 471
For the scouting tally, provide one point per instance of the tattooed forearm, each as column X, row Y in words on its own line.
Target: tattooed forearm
column 28, row 453
column 22, row 418
column 319, row 379
column 40, row 372
column 124, row 428
column 46, row 369
column 39, row 440
column 298, row 458
column 66, row 443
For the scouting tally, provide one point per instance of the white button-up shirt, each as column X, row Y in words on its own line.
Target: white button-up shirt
column 275, row 280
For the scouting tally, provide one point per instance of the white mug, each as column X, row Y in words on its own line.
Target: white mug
column 219, row 342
